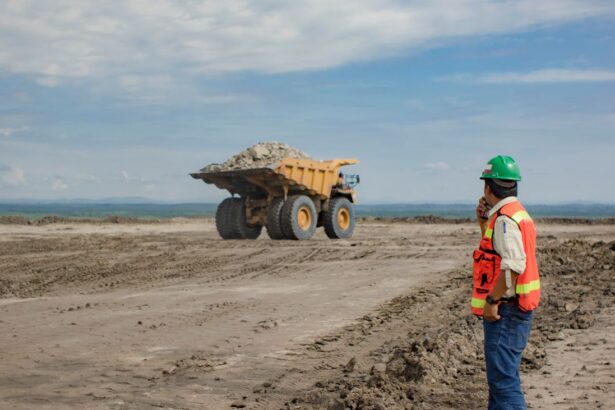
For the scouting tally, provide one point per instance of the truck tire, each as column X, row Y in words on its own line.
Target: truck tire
column 339, row 220
column 223, row 219
column 299, row 218
column 239, row 222
column 274, row 223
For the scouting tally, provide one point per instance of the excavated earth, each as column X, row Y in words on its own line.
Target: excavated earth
column 123, row 314
column 263, row 154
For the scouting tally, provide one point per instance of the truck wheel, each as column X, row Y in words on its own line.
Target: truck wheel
column 274, row 224
column 239, row 222
column 223, row 219
column 339, row 220
column 299, row 218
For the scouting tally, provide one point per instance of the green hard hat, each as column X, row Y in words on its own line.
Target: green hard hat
column 502, row 167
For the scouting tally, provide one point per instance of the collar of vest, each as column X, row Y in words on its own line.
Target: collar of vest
column 502, row 203
column 514, row 210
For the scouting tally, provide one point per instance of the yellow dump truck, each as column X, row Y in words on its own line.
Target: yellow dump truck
column 291, row 198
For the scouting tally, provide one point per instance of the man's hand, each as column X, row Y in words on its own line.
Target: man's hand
column 481, row 211
column 490, row 313
column 482, row 208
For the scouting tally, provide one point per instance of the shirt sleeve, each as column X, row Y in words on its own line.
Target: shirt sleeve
column 507, row 242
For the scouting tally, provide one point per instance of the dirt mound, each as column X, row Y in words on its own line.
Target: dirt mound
column 261, row 155
column 55, row 219
column 22, row 220
column 118, row 219
column 440, row 362
column 434, row 219
column 576, row 221
column 419, row 219
column 14, row 220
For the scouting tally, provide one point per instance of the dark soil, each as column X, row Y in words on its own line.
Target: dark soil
column 439, row 362
column 55, row 219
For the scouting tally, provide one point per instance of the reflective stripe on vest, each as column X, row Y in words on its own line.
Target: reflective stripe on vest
column 489, row 233
column 478, row 303
column 520, row 216
column 526, row 288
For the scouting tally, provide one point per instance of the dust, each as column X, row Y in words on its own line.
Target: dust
column 263, row 154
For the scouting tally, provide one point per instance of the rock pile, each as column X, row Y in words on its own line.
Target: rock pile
column 263, row 154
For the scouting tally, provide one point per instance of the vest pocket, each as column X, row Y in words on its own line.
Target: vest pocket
column 488, row 268
column 482, row 277
column 484, row 271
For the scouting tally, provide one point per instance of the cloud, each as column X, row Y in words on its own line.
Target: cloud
column 551, row 75
column 48, row 82
column 127, row 178
column 86, row 179
column 7, row 131
column 11, row 176
column 58, row 184
column 438, row 166
column 145, row 184
column 155, row 89
column 72, row 40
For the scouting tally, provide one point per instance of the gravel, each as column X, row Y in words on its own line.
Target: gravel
column 261, row 155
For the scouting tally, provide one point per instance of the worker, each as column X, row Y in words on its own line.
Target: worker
column 506, row 287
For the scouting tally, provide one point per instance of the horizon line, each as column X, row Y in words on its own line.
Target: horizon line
column 145, row 201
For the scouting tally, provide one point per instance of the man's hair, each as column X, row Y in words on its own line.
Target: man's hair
column 502, row 189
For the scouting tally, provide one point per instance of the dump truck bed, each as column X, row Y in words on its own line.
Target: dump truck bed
column 289, row 176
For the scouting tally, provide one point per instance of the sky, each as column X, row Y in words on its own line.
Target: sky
column 125, row 98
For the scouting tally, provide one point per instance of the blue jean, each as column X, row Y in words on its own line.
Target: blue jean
column 505, row 340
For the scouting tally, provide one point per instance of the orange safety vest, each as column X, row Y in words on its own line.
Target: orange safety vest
column 487, row 262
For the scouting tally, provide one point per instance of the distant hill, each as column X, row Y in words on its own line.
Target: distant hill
column 138, row 209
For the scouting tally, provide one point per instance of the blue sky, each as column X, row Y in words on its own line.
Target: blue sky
column 125, row 99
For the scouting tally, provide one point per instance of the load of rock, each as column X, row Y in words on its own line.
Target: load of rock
column 261, row 155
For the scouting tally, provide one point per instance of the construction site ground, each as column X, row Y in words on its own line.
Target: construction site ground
column 150, row 315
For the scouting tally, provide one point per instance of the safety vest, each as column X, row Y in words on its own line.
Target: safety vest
column 487, row 262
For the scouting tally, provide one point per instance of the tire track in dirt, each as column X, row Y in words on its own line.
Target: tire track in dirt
column 263, row 324
column 93, row 263
column 425, row 350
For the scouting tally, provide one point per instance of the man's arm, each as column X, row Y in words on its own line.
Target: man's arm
column 508, row 243
column 490, row 312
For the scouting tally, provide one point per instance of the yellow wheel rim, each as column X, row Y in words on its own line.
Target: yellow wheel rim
column 304, row 218
column 343, row 218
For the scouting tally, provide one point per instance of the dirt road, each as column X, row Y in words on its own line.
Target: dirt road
column 166, row 315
